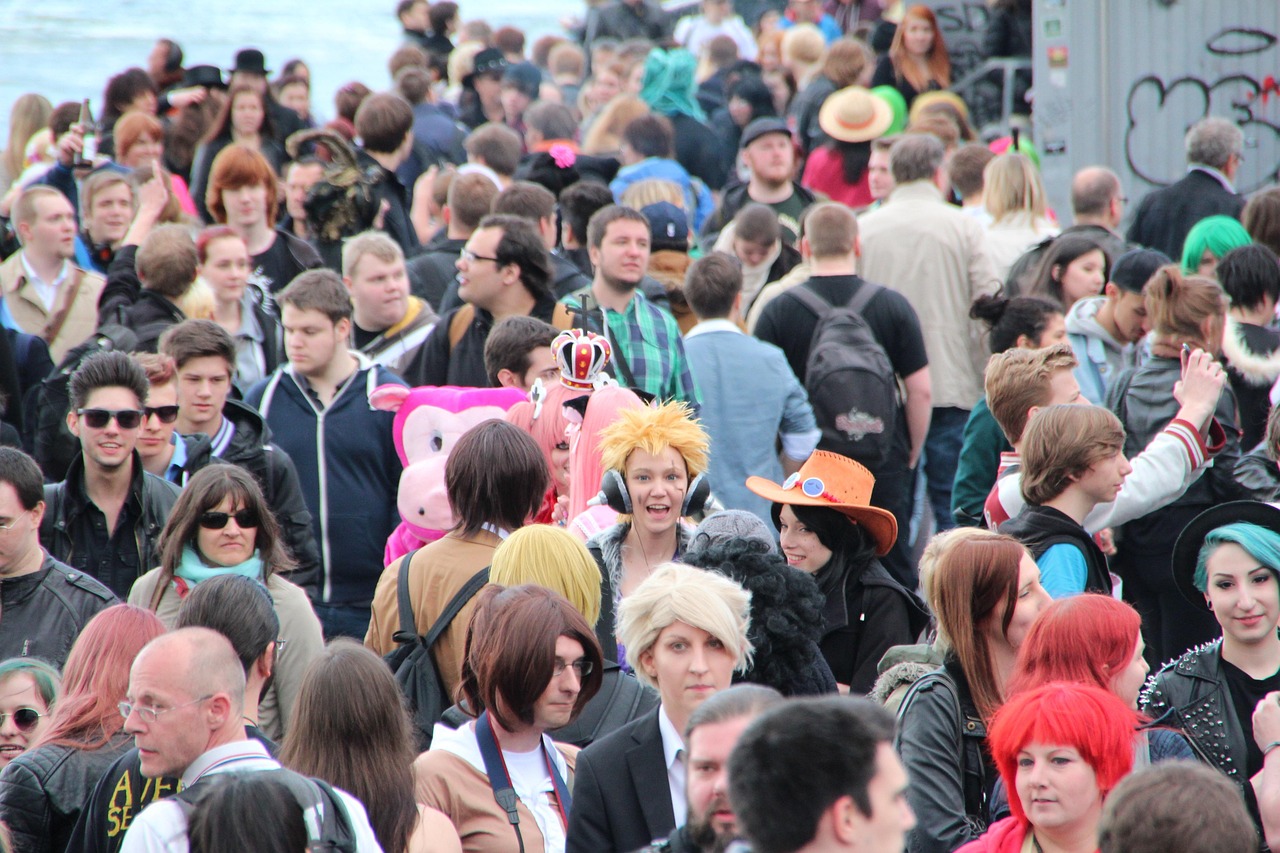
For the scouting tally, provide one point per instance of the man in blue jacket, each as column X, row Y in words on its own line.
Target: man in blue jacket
column 319, row 411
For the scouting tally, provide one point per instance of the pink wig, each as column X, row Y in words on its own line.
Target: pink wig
column 549, row 426
column 585, row 468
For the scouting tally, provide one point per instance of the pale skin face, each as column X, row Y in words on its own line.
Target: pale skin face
column 751, row 254
column 1054, row 332
column 155, row 435
column 481, row 279
column 1058, row 789
column 879, row 178
column 311, row 339
column 53, row 231
column 771, row 159
column 1243, row 594
column 917, row 37
column 179, row 734
column 708, row 776
column 689, row 666
column 226, row 268
column 145, row 150
column 1104, row 479
column 232, row 544
column 246, row 206
column 657, row 484
column 1127, row 683
column 246, row 114
column 297, row 97
column 109, row 215
column 554, row 707
column 1083, row 277
column 623, row 255
column 17, row 692
column 891, row 816
column 1027, row 606
column 112, row 446
column 203, row 385
column 1129, row 312
column 18, row 544
column 301, row 179
column 379, row 292
column 800, row 545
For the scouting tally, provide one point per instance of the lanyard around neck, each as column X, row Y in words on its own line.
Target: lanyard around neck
column 500, row 780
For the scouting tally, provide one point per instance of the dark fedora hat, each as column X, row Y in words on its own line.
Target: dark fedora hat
column 250, row 61
column 1186, row 551
column 203, row 75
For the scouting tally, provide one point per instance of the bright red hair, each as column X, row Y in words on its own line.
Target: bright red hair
column 96, row 677
column 239, row 166
column 133, row 126
column 939, row 60
column 1090, row 720
column 209, row 235
column 1085, row 639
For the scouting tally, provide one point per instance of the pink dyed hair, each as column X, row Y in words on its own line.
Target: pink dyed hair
column 548, row 429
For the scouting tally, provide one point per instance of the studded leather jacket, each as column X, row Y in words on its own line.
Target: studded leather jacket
column 1193, row 692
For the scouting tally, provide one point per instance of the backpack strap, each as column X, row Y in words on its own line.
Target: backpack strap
column 404, row 604
column 810, row 300
column 408, row 627
column 865, row 293
column 459, row 323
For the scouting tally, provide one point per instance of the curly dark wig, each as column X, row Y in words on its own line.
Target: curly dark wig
column 786, row 616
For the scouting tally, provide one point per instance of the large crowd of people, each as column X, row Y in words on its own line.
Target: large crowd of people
column 688, row 433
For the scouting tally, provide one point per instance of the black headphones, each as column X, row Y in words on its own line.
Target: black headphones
column 614, row 494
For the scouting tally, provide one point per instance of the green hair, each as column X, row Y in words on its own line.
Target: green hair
column 1218, row 234
column 46, row 677
column 669, row 84
column 1260, row 543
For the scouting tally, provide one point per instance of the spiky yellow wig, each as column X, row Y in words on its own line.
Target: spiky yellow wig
column 652, row 430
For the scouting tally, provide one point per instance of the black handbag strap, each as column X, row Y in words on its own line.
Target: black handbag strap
column 408, row 627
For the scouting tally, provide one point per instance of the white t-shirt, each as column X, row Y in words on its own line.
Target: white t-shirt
column 695, row 31
column 533, row 786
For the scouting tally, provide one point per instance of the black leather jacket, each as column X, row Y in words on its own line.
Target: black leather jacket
column 942, row 742
column 65, row 532
column 43, row 791
column 1194, row 691
column 45, row 611
column 1259, row 475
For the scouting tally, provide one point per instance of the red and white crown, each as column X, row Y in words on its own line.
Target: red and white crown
column 581, row 357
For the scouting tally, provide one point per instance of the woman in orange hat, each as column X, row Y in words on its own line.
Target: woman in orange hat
column 830, row 530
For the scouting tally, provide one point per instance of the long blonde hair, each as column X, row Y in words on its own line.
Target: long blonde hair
column 30, row 113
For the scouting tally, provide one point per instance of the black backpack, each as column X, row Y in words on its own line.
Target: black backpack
column 850, row 380
column 331, row 828
column 53, row 444
column 412, row 663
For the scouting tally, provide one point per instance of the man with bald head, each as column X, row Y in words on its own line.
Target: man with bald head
column 1097, row 206
column 185, row 712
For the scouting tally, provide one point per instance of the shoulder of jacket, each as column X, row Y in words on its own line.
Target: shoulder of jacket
column 81, row 581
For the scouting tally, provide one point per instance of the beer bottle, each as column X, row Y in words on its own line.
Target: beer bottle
column 90, row 149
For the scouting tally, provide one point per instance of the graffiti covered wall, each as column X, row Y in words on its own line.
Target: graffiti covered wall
column 1118, row 82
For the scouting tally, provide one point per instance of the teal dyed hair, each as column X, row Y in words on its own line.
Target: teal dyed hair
column 1260, row 543
column 669, row 84
column 47, row 678
column 1218, row 234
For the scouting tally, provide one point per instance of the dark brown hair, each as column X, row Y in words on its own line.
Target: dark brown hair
column 205, row 490
column 511, row 650
column 383, row 121
column 512, row 341
column 349, row 727
column 711, row 285
column 527, row 200
column 470, row 199
column 198, row 339
column 1062, row 442
column 495, row 475
column 318, row 290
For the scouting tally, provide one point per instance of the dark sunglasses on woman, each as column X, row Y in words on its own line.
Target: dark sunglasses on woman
column 25, row 719
column 217, row 520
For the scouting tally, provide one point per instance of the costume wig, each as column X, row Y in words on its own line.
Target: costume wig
column 653, row 430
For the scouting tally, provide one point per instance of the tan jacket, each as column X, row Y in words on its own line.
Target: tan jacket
column 72, row 320
column 937, row 257
column 437, row 573
column 299, row 628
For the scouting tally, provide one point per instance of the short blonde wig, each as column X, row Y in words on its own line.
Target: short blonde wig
column 551, row 557
column 653, row 429
column 679, row 593
column 641, row 194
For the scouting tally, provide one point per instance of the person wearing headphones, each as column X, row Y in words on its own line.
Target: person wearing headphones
column 654, row 460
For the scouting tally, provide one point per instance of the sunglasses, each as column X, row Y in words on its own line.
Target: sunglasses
column 166, row 414
column 99, row 418
column 218, row 520
column 25, row 719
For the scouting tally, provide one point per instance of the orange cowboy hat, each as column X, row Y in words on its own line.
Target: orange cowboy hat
column 835, row 482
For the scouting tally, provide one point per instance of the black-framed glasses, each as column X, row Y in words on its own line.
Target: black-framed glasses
column 471, row 257
column 581, row 666
column 150, row 715
column 218, row 520
column 25, row 719
column 166, row 414
column 99, row 418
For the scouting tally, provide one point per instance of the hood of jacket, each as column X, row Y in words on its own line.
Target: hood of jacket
column 1082, row 319
column 1256, row 369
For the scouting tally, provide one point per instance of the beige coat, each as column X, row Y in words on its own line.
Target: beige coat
column 299, row 628
column 28, row 311
column 937, row 257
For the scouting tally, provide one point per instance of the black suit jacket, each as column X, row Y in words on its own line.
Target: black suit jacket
column 621, row 797
column 1166, row 215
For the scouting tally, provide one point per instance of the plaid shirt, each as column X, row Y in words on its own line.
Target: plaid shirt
column 649, row 339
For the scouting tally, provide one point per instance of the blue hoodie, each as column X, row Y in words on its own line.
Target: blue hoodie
column 698, row 201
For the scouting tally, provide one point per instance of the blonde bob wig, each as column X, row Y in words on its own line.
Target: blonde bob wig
column 679, row 593
column 548, row 556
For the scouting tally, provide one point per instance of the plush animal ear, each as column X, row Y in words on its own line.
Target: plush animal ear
column 389, row 398
column 578, row 405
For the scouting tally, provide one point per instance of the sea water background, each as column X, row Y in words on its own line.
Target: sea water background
column 66, row 49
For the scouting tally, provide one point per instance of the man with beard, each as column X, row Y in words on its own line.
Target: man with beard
column 648, row 352
column 710, row 736
column 769, row 154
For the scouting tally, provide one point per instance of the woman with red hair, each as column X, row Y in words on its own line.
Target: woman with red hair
column 43, row 790
column 139, row 143
column 917, row 60
column 1062, row 748
column 245, row 119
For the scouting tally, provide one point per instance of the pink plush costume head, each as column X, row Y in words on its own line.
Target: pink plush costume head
column 428, row 422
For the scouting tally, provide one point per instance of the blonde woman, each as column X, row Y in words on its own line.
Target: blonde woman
column 1014, row 195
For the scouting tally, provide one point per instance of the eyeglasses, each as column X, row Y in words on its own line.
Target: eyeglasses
column 812, row 487
column 280, row 644
column 218, row 520
column 98, row 418
column 582, row 667
column 150, row 715
column 8, row 525
column 471, row 257
column 166, row 414
column 25, row 719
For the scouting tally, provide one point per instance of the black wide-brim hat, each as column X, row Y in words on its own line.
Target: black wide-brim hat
column 1186, row 551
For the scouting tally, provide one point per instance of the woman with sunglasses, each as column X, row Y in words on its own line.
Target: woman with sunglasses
column 830, row 530
column 43, row 790
column 222, row 525
column 28, row 690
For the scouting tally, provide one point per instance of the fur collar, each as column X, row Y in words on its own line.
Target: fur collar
column 1256, row 369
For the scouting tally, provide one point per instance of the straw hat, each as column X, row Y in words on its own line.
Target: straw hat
column 1186, row 551
column 854, row 115
column 835, row 482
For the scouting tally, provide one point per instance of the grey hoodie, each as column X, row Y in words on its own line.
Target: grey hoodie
column 1102, row 358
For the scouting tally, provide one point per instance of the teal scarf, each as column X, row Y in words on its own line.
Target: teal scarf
column 193, row 569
